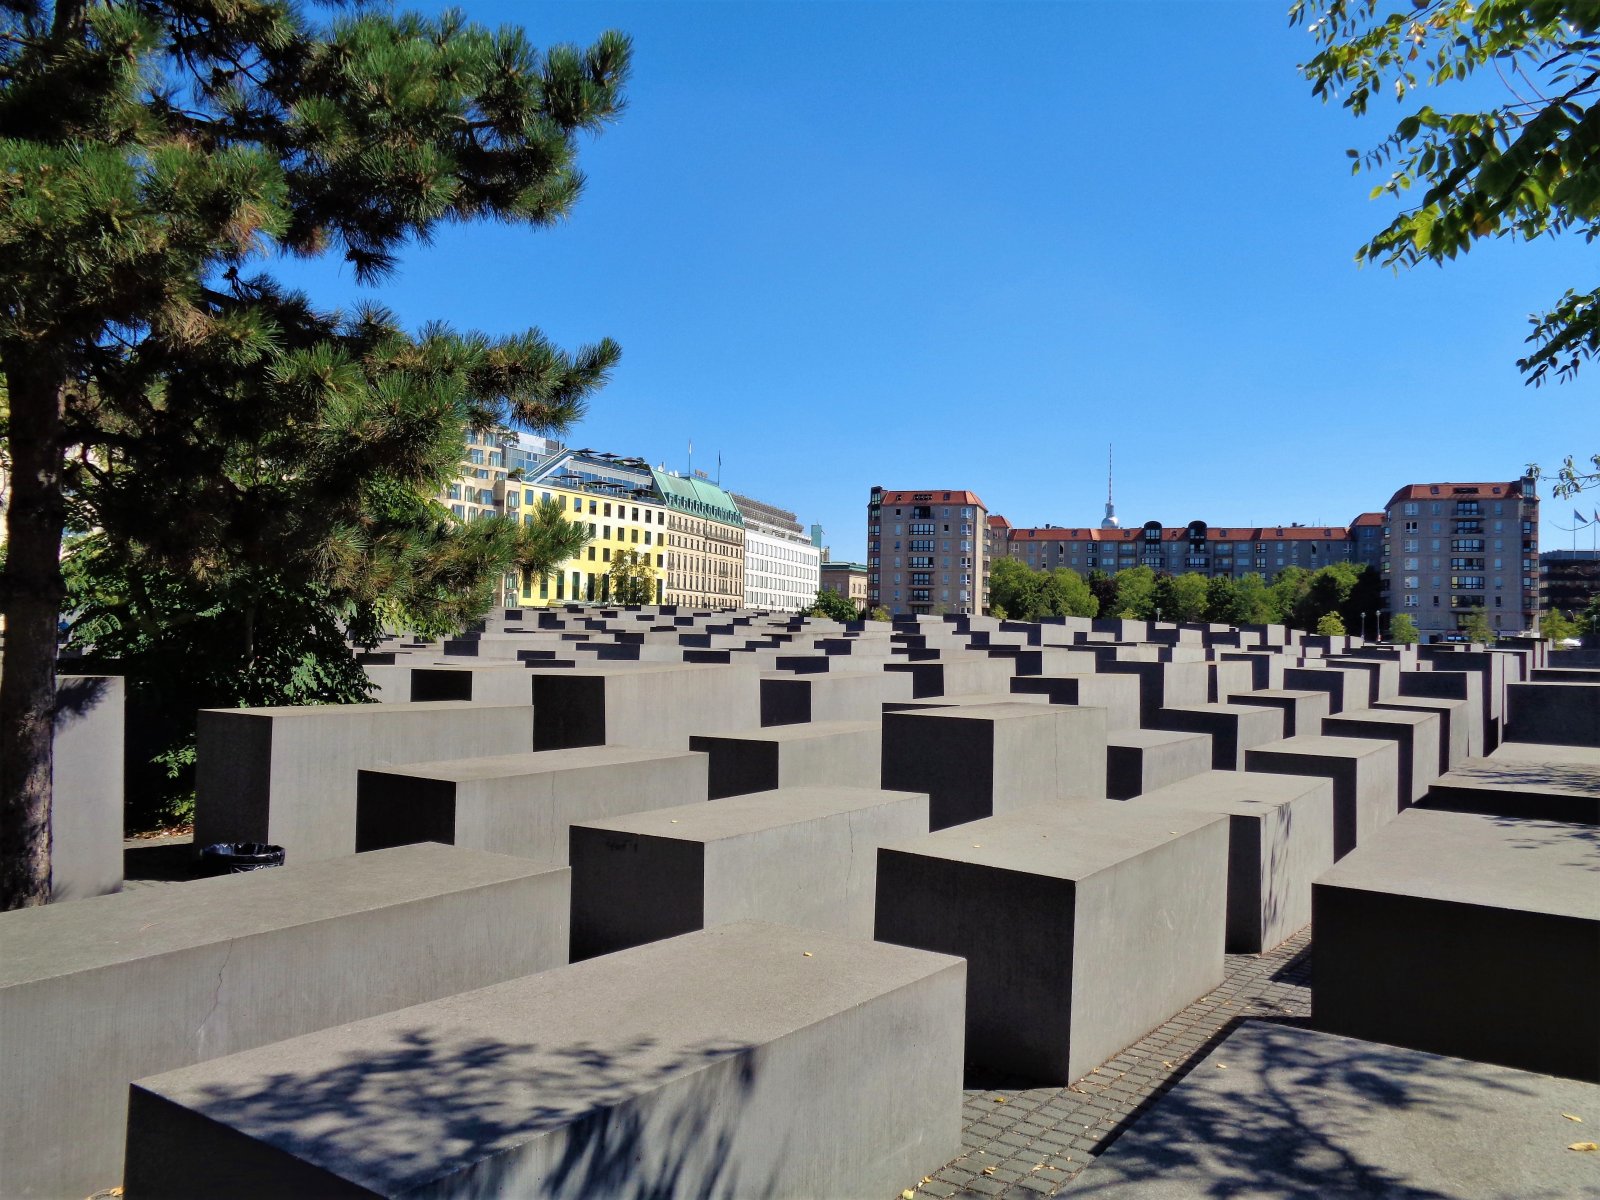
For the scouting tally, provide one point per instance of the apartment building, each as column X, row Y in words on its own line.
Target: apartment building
column 782, row 565
column 1453, row 548
column 927, row 551
column 705, row 542
column 478, row 490
column 1196, row 547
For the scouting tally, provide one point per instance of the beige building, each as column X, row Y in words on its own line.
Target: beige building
column 847, row 579
column 927, row 551
column 1452, row 548
column 705, row 543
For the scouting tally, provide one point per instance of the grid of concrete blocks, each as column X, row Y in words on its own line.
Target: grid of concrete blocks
column 650, row 902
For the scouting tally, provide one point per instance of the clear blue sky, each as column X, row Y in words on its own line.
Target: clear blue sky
column 967, row 245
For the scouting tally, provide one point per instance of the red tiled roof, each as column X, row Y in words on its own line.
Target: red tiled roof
column 932, row 496
column 1226, row 533
column 1366, row 519
column 1511, row 489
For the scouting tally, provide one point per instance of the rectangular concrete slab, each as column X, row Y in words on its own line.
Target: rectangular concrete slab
column 1469, row 935
column 746, row 1060
column 1524, row 780
column 520, row 804
column 1141, row 760
column 1302, row 711
column 819, row 754
column 1234, row 728
column 1453, row 724
column 842, row 695
column 1455, row 685
column 1365, row 774
column 806, row 855
column 287, row 776
column 1117, row 694
column 86, row 810
column 1277, row 1111
column 1084, row 924
column 1280, row 838
column 100, row 992
column 977, row 761
column 1562, row 714
column 659, row 705
column 1416, row 736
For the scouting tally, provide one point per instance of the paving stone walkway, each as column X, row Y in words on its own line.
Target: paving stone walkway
column 1024, row 1142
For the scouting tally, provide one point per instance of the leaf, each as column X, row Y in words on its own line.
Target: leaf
column 908, row 1194
column 806, row 953
column 1572, row 1117
column 1584, row 1147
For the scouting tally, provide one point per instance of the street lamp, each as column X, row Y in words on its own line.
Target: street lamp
column 1363, row 627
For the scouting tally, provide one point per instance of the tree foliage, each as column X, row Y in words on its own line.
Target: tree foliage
column 255, row 466
column 1024, row 594
column 1330, row 624
column 1403, row 630
column 1519, row 161
column 1558, row 627
column 1475, row 624
column 633, row 579
column 833, row 606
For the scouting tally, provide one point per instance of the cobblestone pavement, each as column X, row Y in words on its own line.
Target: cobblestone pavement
column 1024, row 1142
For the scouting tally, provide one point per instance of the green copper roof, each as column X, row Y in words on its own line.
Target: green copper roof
column 697, row 498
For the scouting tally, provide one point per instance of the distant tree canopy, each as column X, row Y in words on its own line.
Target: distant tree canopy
column 1027, row 595
column 834, row 607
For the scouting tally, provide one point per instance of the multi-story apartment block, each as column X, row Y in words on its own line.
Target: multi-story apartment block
column 847, row 579
column 478, row 490
column 927, row 551
column 1568, row 579
column 1366, row 540
column 1453, row 548
column 705, row 543
column 1179, row 550
column 781, row 562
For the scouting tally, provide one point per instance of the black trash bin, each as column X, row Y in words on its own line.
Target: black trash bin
column 230, row 858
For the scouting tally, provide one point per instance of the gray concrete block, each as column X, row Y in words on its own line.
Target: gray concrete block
column 1365, row 774
column 1280, row 838
column 978, row 761
column 520, row 804
column 287, row 776
column 1453, row 723
column 842, row 695
column 1277, row 1111
column 1226, row 679
column 820, row 754
column 86, row 810
column 1382, row 679
column 1343, row 689
column 1164, row 684
column 802, row 856
column 1557, row 714
column 1233, row 728
column 498, row 683
column 1117, row 694
column 1468, row 935
column 1302, row 711
column 1266, row 669
column 98, row 993
column 643, row 704
column 1416, row 736
column 1524, row 780
column 1454, row 685
column 756, row 1061
column 1141, row 760
column 956, row 676
column 1047, row 905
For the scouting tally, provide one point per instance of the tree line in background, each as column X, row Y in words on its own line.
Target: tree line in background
column 1302, row 599
column 240, row 480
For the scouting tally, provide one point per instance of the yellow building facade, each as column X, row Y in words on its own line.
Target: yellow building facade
column 615, row 523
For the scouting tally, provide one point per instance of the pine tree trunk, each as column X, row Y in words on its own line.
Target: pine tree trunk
column 33, row 592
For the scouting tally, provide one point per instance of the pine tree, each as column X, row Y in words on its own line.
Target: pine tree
column 235, row 440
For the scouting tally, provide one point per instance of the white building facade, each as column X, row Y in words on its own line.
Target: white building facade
column 782, row 567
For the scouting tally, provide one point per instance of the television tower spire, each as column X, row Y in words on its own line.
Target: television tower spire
column 1111, row 521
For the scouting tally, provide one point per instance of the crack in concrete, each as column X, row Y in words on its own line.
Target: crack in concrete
column 216, row 995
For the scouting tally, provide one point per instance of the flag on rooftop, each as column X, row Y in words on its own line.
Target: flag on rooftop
column 1580, row 518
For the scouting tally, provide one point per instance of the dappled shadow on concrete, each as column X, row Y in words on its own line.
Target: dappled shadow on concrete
column 436, row 1103
column 1583, row 841
column 1305, row 1124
